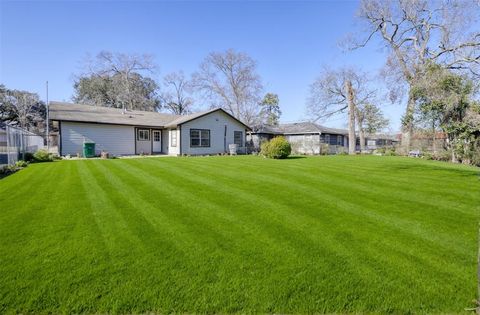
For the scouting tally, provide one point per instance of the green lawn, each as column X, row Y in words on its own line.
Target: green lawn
column 239, row 234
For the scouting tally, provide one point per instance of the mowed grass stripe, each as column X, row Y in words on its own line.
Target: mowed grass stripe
column 205, row 212
column 251, row 244
column 372, row 182
column 409, row 244
column 439, row 270
column 329, row 195
column 243, row 234
column 257, row 257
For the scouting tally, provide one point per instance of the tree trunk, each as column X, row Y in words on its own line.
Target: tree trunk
column 361, row 135
column 407, row 127
column 451, row 147
column 351, row 118
column 434, row 139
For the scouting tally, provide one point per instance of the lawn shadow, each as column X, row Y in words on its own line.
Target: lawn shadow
column 444, row 167
column 295, row 157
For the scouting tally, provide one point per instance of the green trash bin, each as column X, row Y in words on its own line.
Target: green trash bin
column 89, row 149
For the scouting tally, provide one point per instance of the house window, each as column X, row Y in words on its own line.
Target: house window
column 199, row 137
column 332, row 139
column 156, row 136
column 143, row 135
column 238, row 138
column 327, row 139
column 339, row 140
column 173, row 137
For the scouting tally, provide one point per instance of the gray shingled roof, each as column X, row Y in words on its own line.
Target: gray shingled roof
column 107, row 115
column 333, row 130
column 299, row 128
column 266, row 129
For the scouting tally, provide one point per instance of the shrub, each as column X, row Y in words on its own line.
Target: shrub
column 277, row 148
column 21, row 163
column 42, row 156
column 324, row 149
column 390, row 152
column 428, row 156
column 28, row 157
column 381, row 150
column 8, row 170
column 444, row 155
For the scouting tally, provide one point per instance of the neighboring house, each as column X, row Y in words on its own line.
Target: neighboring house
column 120, row 132
column 312, row 138
column 373, row 142
column 305, row 137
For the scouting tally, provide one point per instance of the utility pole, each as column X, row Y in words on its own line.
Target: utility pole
column 48, row 123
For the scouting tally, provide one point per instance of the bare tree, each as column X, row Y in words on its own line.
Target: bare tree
column 229, row 80
column 337, row 92
column 118, row 80
column 176, row 97
column 419, row 31
column 22, row 108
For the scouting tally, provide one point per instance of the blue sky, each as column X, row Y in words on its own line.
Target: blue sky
column 290, row 40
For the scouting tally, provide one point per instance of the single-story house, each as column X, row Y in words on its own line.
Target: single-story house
column 130, row 132
column 373, row 142
column 312, row 138
column 305, row 137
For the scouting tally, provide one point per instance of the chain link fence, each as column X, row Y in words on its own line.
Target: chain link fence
column 16, row 142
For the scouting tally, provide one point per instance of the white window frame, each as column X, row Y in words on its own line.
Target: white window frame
column 173, row 137
column 157, row 132
column 143, row 134
column 203, row 135
column 241, row 138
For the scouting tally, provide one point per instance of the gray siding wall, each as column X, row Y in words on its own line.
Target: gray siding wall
column 254, row 141
column 115, row 139
column 165, row 144
column 143, row 146
column 216, row 123
column 305, row 143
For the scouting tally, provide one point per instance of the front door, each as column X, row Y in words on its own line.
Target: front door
column 157, row 141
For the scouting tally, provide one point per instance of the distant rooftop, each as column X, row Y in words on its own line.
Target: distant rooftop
column 298, row 128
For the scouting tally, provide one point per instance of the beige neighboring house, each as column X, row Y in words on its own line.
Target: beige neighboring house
column 120, row 132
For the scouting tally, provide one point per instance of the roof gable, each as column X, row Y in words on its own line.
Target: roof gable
column 187, row 118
